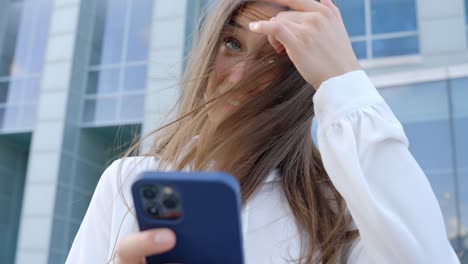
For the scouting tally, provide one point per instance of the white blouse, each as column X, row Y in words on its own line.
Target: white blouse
column 365, row 153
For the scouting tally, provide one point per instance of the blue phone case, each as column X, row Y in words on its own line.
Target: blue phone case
column 209, row 229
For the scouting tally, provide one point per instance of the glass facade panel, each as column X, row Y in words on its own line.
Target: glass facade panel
column 395, row 46
column 2, row 116
column 7, row 51
column 466, row 11
column 118, row 62
column 423, row 110
column 26, row 39
column 3, row 92
column 460, row 119
column 360, row 49
column 100, row 110
column 109, row 30
column 354, row 16
column 14, row 88
column 103, row 81
column 22, row 54
column 20, row 65
column 139, row 32
column 131, row 109
column 43, row 10
column 135, row 78
column 31, row 90
column 369, row 24
column 8, row 117
column 28, row 116
column 393, row 16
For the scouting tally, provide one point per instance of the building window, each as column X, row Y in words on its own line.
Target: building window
column 22, row 52
column 466, row 22
column 381, row 28
column 435, row 119
column 117, row 69
column 459, row 93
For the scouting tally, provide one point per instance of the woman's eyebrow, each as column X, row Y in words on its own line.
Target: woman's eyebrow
column 235, row 24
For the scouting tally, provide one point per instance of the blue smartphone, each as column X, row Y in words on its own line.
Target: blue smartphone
column 202, row 208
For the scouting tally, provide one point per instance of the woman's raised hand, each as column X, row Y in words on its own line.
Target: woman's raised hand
column 314, row 37
column 135, row 247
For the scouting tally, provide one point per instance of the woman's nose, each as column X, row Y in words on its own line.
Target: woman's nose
column 238, row 71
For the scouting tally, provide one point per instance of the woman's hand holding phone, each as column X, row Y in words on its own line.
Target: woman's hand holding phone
column 135, row 247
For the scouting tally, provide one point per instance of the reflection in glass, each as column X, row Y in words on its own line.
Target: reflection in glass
column 9, row 40
column 393, row 16
column 26, row 30
column 139, row 32
column 43, row 13
column 135, row 78
column 109, row 30
column 395, row 46
column 132, row 108
column 103, row 81
column 100, row 110
column 24, row 44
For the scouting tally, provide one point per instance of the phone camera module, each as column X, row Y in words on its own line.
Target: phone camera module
column 161, row 201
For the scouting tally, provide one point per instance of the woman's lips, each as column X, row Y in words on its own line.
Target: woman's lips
column 233, row 102
column 231, row 105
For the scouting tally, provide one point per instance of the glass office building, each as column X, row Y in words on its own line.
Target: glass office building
column 78, row 79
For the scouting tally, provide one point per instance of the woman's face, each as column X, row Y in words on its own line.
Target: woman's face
column 230, row 64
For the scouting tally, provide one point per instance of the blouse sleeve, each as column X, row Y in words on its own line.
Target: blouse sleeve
column 91, row 244
column 365, row 152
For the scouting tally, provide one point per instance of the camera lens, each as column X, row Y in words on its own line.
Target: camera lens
column 152, row 210
column 149, row 192
column 171, row 202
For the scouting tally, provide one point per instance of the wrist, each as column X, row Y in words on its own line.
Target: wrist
column 354, row 66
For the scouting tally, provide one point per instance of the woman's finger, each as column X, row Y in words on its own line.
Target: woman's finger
column 301, row 5
column 331, row 4
column 135, row 247
column 296, row 16
column 279, row 48
column 275, row 29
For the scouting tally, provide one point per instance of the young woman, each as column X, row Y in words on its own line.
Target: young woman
column 259, row 72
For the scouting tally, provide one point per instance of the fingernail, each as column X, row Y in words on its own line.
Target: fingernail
column 162, row 237
column 253, row 25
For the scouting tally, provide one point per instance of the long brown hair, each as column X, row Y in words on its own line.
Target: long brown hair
column 272, row 131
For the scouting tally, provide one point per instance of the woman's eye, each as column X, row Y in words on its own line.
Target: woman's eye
column 233, row 44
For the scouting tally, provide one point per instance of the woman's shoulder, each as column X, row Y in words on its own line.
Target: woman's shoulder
column 129, row 165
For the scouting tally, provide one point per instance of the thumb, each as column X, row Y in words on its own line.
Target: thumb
column 136, row 246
